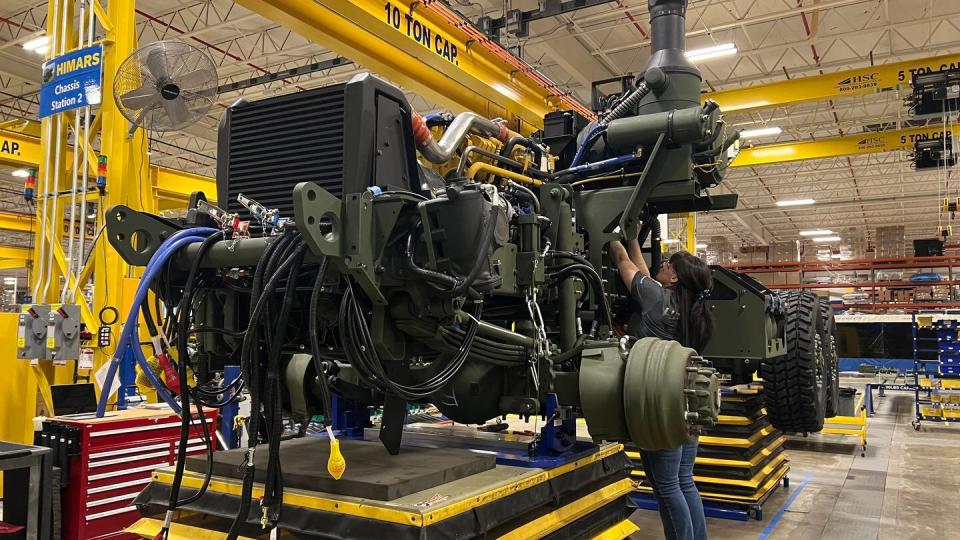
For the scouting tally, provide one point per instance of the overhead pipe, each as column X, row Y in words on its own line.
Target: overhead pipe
column 91, row 21
column 54, row 194
column 45, row 179
column 75, row 176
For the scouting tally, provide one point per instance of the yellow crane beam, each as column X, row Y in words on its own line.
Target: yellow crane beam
column 854, row 82
column 426, row 48
column 850, row 145
column 15, row 252
column 13, row 221
column 21, row 150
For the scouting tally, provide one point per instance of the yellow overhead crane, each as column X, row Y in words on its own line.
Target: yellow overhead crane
column 854, row 82
column 428, row 49
column 849, row 145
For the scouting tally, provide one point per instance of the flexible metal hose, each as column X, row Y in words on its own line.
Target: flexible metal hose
column 627, row 104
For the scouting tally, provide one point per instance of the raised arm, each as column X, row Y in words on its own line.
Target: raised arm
column 636, row 256
column 628, row 270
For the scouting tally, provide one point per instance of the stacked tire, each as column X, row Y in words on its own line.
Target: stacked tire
column 831, row 357
column 795, row 386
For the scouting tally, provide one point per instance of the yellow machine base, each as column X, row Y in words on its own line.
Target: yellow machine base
column 586, row 498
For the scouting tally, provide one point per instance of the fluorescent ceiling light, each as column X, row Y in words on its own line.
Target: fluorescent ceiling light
column 724, row 49
column 21, row 173
column 827, row 239
column 671, row 241
column 816, row 232
column 38, row 44
column 701, row 246
column 760, row 132
column 10, row 280
column 795, row 202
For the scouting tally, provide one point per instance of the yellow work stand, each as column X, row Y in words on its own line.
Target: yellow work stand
column 853, row 426
column 586, row 498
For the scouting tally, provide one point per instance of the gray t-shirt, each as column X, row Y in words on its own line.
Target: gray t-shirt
column 655, row 314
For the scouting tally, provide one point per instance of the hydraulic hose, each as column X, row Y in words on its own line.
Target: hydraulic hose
column 655, row 253
column 258, row 292
column 520, row 140
column 566, row 176
column 128, row 337
column 273, row 486
column 186, row 417
column 652, row 79
column 534, row 200
column 593, row 278
column 570, row 353
column 595, row 133
column 312, row 321
column 429, row 275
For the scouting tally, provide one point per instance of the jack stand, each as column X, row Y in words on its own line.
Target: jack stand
column 349, row 418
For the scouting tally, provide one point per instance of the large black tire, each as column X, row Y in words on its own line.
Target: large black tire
column 793, row 384
column 831, row 357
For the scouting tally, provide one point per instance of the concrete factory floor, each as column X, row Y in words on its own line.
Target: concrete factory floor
column 907, row 486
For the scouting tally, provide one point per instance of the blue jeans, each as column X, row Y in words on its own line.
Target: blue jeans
column 671, row 474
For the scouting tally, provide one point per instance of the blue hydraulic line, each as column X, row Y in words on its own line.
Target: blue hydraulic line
column 592, row 136
column 437, row 119
column 166, row 250
column 597, row 166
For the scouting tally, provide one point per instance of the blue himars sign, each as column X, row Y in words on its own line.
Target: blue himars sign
column 71, row 81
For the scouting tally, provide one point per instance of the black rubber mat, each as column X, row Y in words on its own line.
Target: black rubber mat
column 305, row 467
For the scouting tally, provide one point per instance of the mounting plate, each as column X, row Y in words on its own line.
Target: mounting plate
column 136, row 235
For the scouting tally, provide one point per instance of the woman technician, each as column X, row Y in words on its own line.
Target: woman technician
column 670, row 305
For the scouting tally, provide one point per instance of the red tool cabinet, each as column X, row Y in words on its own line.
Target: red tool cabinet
column 117, row 455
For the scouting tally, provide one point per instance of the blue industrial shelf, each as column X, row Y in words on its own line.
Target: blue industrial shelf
column 947, row 363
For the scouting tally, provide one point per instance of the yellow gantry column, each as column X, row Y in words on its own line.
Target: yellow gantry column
column 691, row 229
column 128, row 181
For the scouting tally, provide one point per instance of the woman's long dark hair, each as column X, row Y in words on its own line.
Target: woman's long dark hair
column 694, row 284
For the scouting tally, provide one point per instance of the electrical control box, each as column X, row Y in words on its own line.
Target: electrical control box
column 936, row 93
column 934, row 153
column 32, row 332
column 63, row 333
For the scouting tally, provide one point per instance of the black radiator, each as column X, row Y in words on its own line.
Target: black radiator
column 345, row 137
